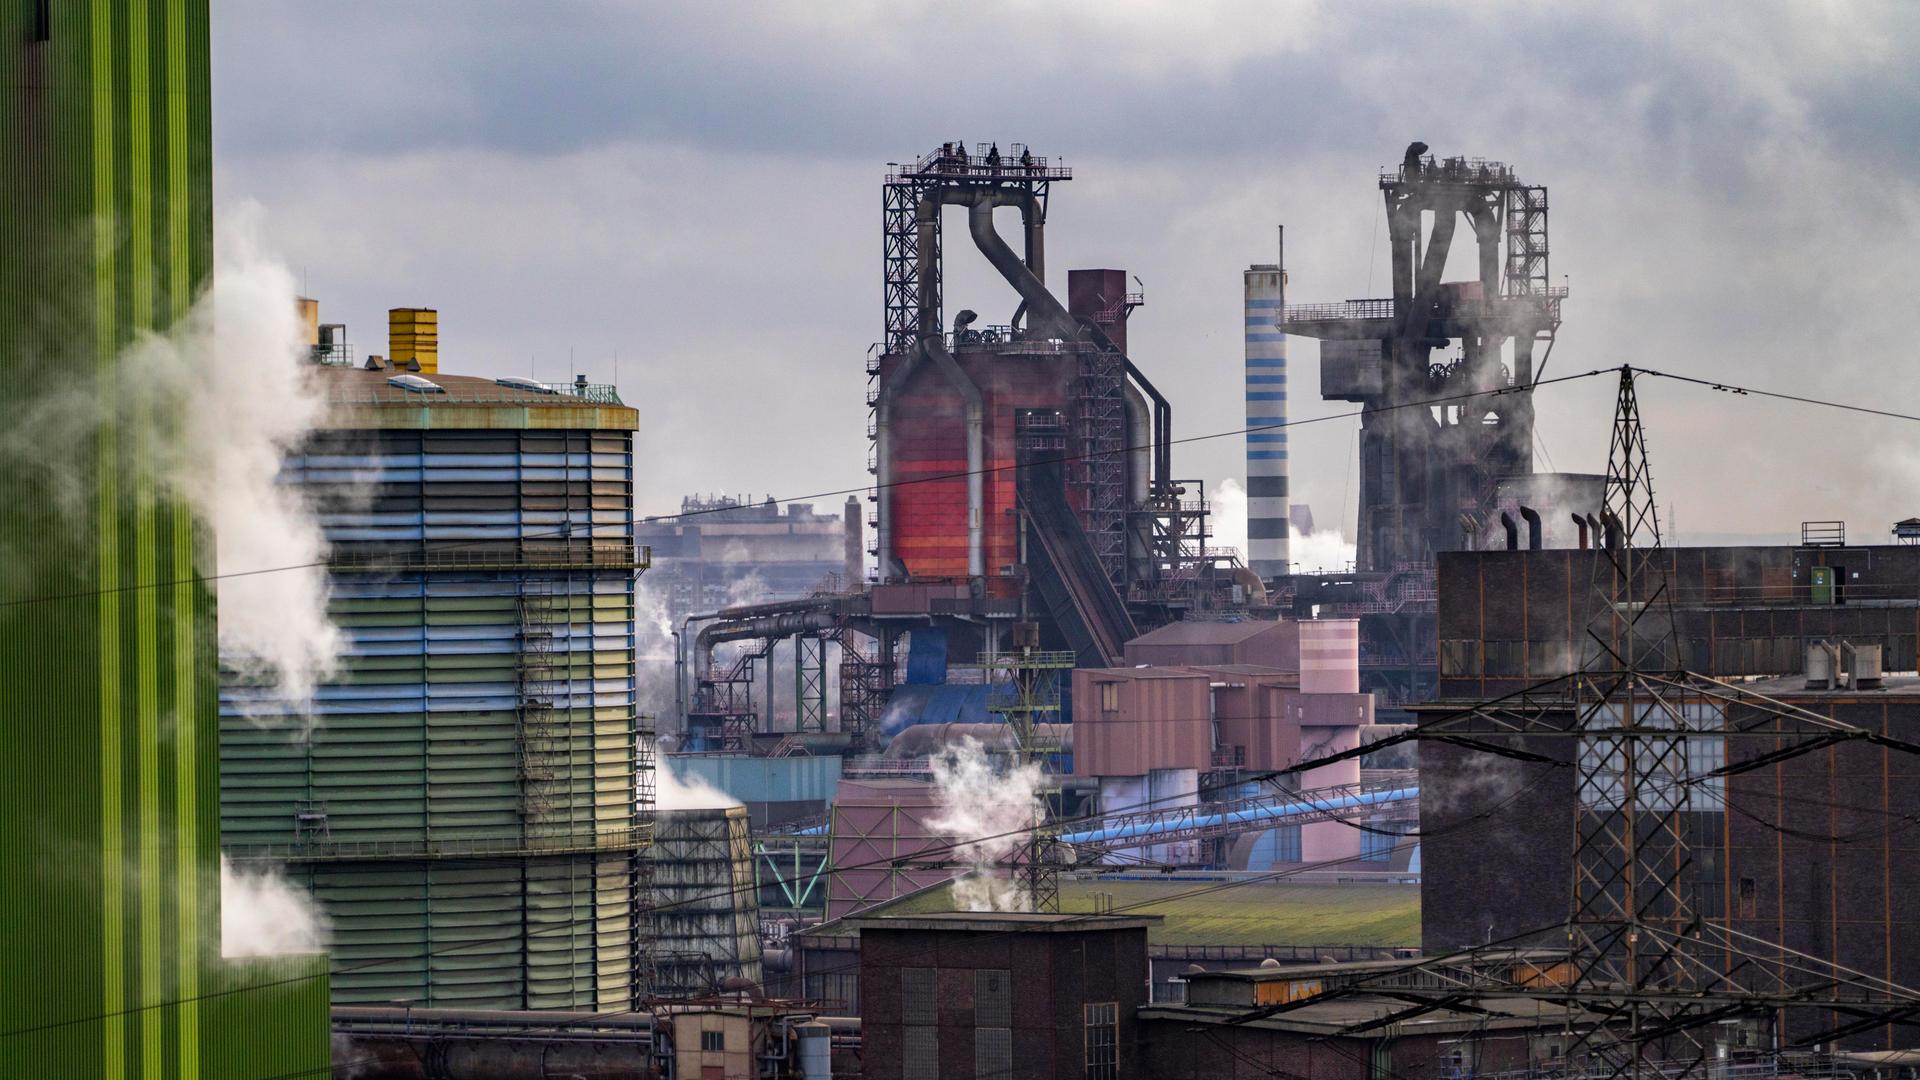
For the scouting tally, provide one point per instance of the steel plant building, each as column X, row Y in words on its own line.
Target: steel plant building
column 465, row 808
column 109, row 899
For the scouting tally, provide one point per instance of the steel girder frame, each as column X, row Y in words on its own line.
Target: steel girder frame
column 1643, row 960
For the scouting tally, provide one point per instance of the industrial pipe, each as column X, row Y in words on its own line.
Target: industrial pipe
column 1532, row 518
column 1174, row 822
column 1580, row 523
column 785, row 624
column 1513, row 531
column 1616, row 535
column 922, row 740
column 1042, row 306
column 1139, row 446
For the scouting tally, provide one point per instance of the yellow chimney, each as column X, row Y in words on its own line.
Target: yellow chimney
column 413, row 334
column 309, row 319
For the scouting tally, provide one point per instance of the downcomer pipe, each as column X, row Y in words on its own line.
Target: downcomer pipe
column 1045, row 311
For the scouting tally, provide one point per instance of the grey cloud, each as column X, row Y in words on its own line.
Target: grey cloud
column 695, row 187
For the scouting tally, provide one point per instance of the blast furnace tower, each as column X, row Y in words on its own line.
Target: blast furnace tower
column 1425, row 466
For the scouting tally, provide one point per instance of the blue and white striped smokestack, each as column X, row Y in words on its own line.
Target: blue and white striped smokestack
column 1266, row 289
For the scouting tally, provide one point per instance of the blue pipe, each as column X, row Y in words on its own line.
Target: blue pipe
column 1237, row 817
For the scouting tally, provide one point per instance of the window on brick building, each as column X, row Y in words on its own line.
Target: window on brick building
column 1103, row 1040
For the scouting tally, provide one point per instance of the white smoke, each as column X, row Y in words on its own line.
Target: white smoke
column 987, row 810
column 1325, row 550
column 1320, row 550
column 209, row 410
column 264, row 914
column 653, row 652
column 671, row 791
column 235, row 369
column 1227, row 513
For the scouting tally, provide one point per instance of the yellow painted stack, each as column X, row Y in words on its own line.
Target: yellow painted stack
column 413, row 334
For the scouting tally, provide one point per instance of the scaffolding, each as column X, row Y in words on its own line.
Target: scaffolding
column 1031, row 678
column 1096, row 471
column 538, row 731
column 809, row 683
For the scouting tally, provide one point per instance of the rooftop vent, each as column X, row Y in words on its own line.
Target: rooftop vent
column 416, row 384
column 375, row 362
column 515, row 382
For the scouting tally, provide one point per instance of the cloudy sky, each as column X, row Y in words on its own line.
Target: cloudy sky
column 689, row 195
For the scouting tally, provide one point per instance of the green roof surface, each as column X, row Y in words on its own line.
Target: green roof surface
column 1200, row 910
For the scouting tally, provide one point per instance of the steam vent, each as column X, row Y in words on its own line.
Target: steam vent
column 465, row 807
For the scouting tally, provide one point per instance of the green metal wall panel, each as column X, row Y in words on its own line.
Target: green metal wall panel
column 109, row 925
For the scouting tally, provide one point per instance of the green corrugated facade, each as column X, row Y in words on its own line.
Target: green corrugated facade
column 109, row 799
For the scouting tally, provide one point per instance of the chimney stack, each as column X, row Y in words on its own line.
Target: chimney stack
column 413, row 336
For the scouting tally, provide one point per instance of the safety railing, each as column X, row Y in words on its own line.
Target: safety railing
column 955, row 161
column 599, row 557
column 1346, row 309
column 535, row 843
column 563, row 394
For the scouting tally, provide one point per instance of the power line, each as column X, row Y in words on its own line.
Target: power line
column 890, row 861
column 686, row 514
column 1203, row 890
column 568, row 532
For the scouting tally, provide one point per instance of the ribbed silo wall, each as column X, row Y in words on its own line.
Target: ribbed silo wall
column 707, row 923
column 109, row 905
column 463, row 804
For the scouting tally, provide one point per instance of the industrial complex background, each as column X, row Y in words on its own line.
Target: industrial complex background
column 992, row 764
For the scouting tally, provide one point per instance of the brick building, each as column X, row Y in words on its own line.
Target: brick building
column 1018, row 995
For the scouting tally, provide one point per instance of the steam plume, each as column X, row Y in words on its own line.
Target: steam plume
column 671, row 791
column 235, row 369
column 1321, row 549
column 264, row 914
column 979, row 807
column 209, row 410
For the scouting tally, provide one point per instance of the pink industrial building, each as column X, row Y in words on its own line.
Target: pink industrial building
column 875, row 822
column 1148, row 734
column 1262, row 642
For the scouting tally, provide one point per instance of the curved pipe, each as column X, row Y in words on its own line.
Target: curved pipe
column 1045, row 310
column 1532, row 517
column 783, row 625
column 1513, row 531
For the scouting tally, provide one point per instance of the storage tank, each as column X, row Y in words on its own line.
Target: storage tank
column 706, row 914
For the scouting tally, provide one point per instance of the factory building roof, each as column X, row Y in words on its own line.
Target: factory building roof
column 1203, row 909
column 390, row 397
